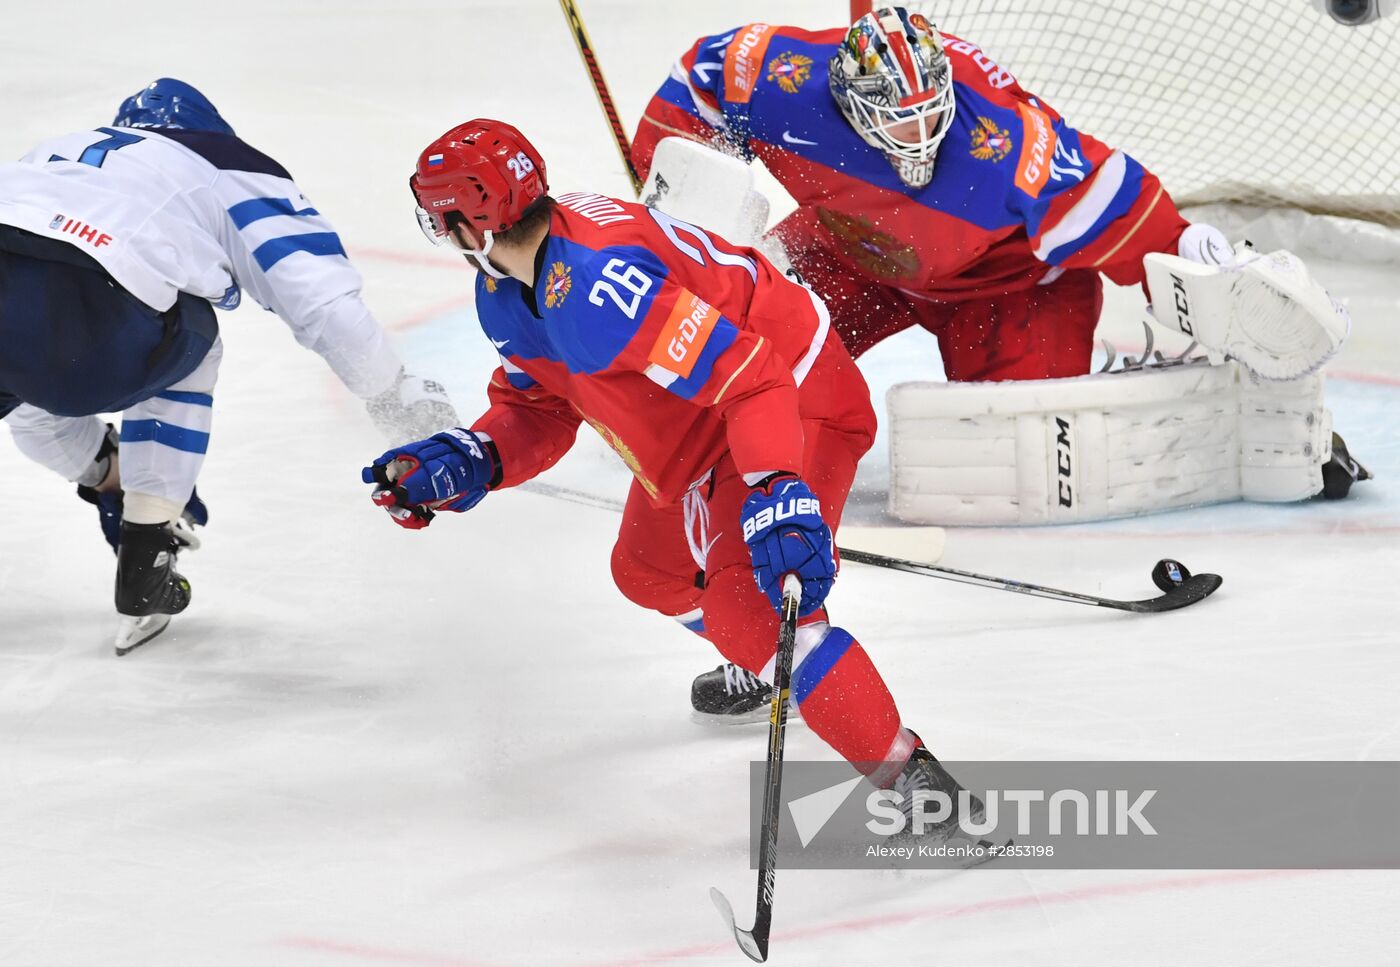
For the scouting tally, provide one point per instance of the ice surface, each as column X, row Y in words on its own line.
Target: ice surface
column 461, row 746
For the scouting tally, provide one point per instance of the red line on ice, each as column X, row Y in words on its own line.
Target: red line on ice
column 1107, row 890
column 950, row 912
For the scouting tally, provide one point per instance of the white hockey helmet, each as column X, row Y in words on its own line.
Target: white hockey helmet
column 892, row 81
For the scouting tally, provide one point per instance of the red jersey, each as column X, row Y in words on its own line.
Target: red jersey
column 675, row 345
column 1016, row 192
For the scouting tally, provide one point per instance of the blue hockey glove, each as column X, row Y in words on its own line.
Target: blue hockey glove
column 782, row 524
column 448, row 471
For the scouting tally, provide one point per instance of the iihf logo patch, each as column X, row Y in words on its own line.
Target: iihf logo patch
column 989, row 142
column 557, row 285
column 57, row 221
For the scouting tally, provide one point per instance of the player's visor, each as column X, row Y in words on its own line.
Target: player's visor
column 434, row 226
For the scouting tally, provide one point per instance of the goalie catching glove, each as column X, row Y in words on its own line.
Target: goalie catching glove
column 448, row 471
column 782, row 524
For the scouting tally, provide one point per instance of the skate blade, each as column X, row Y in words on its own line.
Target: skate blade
column 133, row 632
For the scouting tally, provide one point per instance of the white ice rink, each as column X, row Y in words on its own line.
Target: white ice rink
column 462, row 747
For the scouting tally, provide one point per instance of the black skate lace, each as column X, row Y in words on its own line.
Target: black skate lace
column 740, row 680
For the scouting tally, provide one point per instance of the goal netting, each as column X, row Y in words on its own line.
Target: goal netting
column 1260, row 102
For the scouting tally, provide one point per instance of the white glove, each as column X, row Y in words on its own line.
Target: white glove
column 1205, row 244
column 414, row 408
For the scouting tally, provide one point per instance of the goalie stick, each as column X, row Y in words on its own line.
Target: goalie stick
column 600, row 88
column 754, row 942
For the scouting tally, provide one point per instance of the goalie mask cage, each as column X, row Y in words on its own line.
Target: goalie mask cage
column 1258, row 102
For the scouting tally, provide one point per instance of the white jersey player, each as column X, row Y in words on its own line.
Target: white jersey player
column 114, row 245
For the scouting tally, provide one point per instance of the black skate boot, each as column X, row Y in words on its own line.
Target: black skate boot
column 149, row 589
column 923, row 774
column 730, row 695
column 1340, row 472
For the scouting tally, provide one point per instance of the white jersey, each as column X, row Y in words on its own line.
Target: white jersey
column 167, row 210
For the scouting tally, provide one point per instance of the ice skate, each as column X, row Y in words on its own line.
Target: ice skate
column 149, row 589
column 730, row 695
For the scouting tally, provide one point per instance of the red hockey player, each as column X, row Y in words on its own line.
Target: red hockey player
column 713, row 376
column 932, row 191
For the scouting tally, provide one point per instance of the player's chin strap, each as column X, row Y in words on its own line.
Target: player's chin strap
column 479, row 256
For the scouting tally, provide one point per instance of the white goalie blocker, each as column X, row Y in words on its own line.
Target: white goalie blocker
column 700, row 185
column 1265, row 311
column 1108, row 445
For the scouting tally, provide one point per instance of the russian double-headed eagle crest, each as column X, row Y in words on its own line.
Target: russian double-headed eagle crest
column 557, row 285
column 989, row 142
column 790, row 70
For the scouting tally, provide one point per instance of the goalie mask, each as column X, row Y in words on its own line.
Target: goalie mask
column 893, row 82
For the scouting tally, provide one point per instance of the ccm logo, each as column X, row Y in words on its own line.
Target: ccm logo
column 1063, row 451
column 1183, row 306
column 444, row 202
column 782, row 511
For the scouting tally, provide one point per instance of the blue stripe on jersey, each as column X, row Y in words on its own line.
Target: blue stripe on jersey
column 180, row 396
column 1122, row 201
column 823, row 658
column 721, row 338
column 274, row 250
column 247, row 212
column 521, row 380
column 696, row 625
column 223, row 151
column 676, row 93
column 165, row 434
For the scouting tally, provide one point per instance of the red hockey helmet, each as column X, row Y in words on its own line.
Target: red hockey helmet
column 483, row 170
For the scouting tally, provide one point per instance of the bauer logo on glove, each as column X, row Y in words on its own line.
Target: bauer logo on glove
column 782, row 524
column 448, row 471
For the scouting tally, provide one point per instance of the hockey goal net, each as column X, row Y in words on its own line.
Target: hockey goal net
column 1259, row 102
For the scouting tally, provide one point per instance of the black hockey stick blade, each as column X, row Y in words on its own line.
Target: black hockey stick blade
column 754, row 945
column 1196, row 588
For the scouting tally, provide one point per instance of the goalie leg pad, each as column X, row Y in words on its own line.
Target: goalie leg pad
column 1103, row 446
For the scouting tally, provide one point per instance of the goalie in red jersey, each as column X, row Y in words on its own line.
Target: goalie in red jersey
column 714, row 377
column 934, row 191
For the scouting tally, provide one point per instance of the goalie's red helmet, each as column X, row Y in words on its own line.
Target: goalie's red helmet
column 483, row 170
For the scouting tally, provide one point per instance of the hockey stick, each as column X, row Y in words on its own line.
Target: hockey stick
column 1180, row 593
column 1191, row 589
column 600, row 88
column 754, row 942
